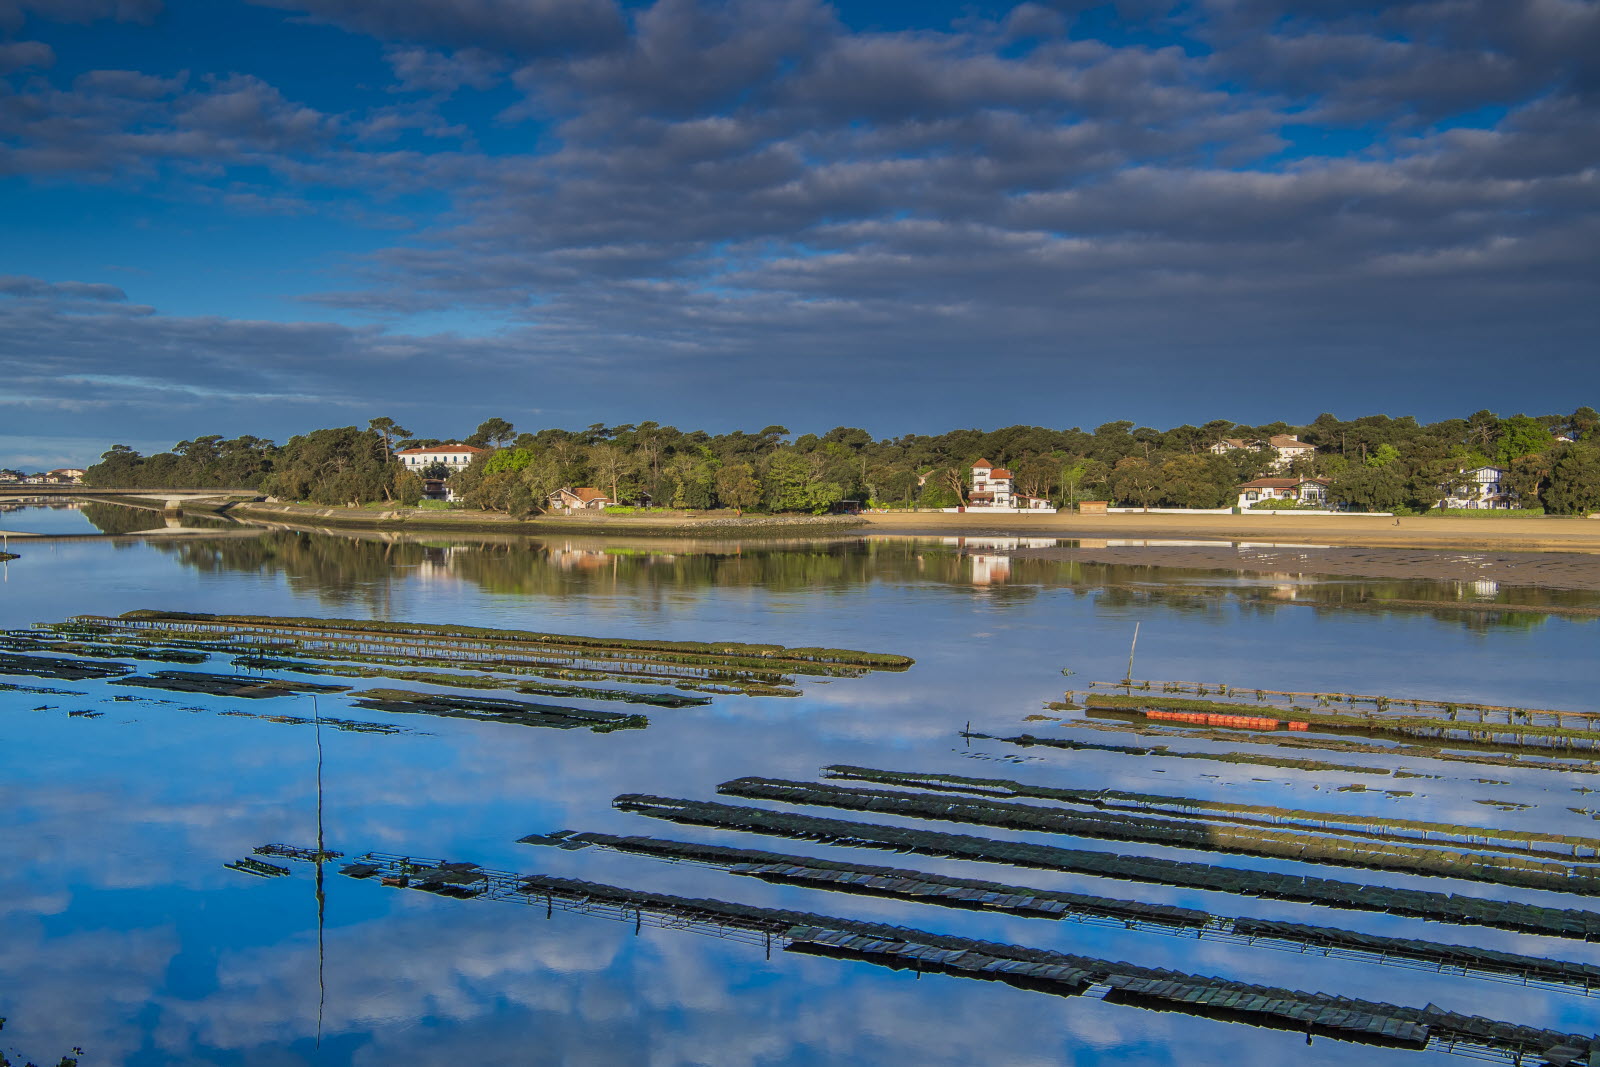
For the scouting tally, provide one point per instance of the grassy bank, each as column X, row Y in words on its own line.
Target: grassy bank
column 657, row 522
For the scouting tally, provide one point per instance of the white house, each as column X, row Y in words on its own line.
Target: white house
column 1289, row 448
column 1484, row 487
column 454, row 457
column 1286, row 448
column 994, row 487
column 1312, row 492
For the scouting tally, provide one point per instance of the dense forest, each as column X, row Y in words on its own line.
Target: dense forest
column 1373, row 463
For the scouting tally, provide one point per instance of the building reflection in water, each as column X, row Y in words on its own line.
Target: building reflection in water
column 989, row 565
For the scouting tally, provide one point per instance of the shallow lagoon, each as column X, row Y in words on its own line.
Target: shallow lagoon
column 121, row 930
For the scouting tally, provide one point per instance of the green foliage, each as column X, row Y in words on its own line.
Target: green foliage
column 1376, row 462
column 1488, row 513
column 693, row 478
column 390, row 431
column 1575, row 481
column 1136, row 482
column 1370, row 486
column 1074, row 477
column 1383, row 456
column 205, row 462
column 1434, row 480
column 1197, row 481
column 510, row 460
column 1521, row 436
column 794, row 483
column 408, row 489
column 492, row 433
column 333, row 467
column 737, row 486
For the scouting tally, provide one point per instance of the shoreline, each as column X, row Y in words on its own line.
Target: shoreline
column 1482, row 576
column 1541, row 534
column 676, row 524
column 1093, row 532
column 1510, row 534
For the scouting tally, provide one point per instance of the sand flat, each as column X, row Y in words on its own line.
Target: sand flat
column 1488, row 554
column 1520, row 534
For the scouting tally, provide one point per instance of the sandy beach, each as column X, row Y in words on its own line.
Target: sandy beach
column 1485, row 570
column 1522, row 534
column 1488, row 553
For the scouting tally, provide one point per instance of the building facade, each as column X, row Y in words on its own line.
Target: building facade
column 1286, row 448
column 453, row 456
column 582, row 498
column 1308, row 492
column 1482, row 487
column 995, row 487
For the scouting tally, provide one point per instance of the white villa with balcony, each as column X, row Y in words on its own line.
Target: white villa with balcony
column 453, row 456
column 1304, row 492
column 1484, row 488
column 993, row 488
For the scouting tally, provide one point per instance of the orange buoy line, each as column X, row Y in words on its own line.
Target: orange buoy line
column 1206, row 718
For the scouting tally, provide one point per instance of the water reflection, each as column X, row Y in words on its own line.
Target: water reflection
column 57, row 517
column 342, row 569
column 122, row 930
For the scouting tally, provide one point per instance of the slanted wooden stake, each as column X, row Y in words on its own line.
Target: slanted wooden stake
column 1131, row 649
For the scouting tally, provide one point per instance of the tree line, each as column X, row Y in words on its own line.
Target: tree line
column 1375, row 463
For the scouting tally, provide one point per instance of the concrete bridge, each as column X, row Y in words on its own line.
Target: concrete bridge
column 169, row 503
column 152, row 499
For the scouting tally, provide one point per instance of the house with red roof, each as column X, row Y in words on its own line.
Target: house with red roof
column 582, row 498
column 995, row 487
column 453, row 456
column 1309, row 492
column 1285, row 447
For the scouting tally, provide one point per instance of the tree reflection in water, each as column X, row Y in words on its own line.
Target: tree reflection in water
column 342, row 569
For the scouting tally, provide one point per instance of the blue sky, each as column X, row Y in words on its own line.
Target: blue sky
column 266, row 216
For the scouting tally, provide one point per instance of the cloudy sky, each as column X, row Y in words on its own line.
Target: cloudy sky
column 268, row 215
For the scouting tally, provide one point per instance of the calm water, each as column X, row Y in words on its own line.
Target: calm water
column 58, row 518
column 122, row 932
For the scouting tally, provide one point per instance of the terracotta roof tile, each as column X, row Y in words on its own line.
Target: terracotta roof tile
column 1282, row 483
column 439, row 448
